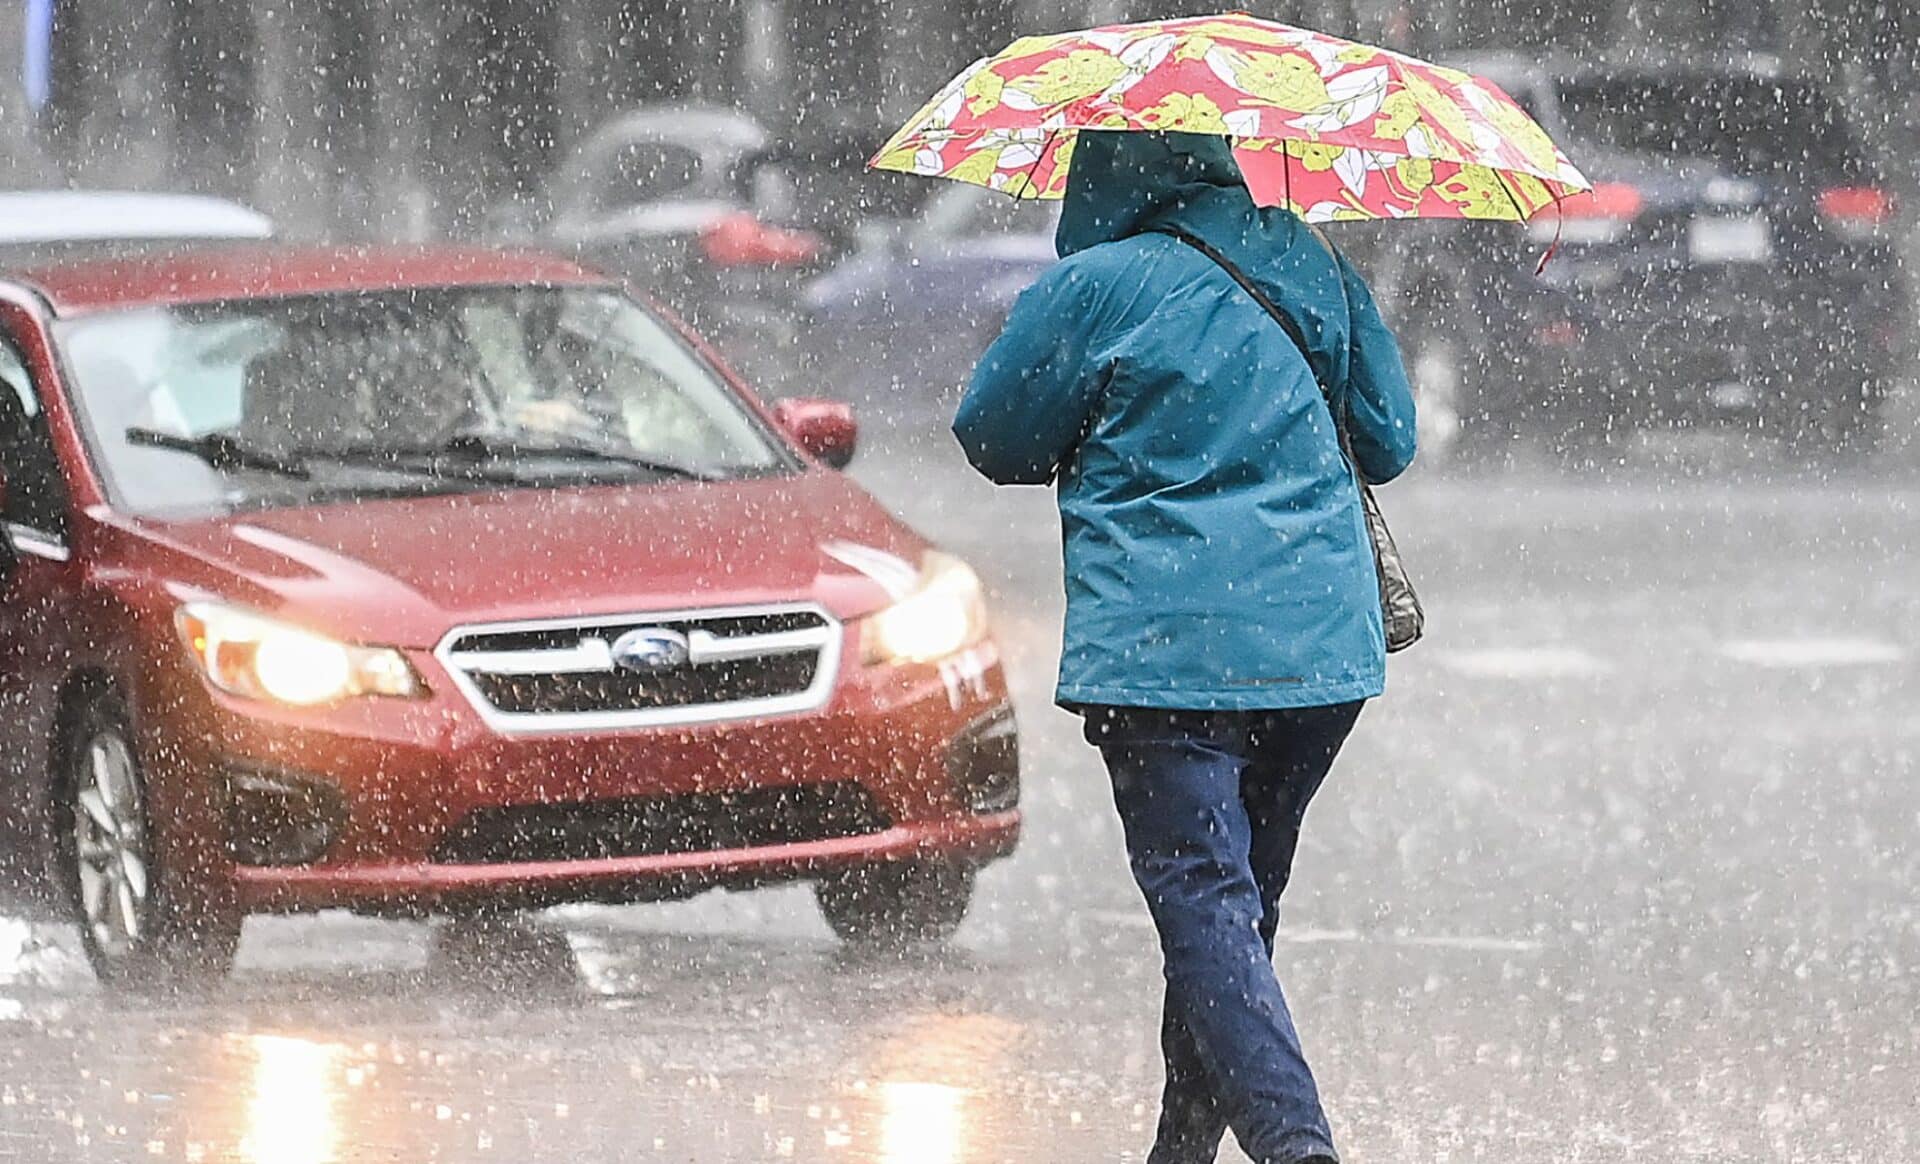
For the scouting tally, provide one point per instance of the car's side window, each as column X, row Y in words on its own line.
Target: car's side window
column 648, row 171
column 36, row 495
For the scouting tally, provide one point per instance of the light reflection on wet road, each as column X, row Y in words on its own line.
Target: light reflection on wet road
column 1623, row 869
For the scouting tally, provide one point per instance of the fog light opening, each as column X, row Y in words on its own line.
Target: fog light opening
column 985, row 764
column 276, row 819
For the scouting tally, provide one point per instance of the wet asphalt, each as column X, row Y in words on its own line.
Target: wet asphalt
column 1623, row 868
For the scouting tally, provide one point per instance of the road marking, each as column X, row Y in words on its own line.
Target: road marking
column 16, row 943
column 1523, row 662
column 1471, row 942
column 1483, row 943
column 1812, row 652
column 32, row 955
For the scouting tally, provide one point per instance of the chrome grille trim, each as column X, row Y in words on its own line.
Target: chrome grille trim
column 593, row 654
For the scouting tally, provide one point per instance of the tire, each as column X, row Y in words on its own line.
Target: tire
column 1485, row 437
column 144, row 927
column 1585, row 446
column 1842, row 428
column 892, row 906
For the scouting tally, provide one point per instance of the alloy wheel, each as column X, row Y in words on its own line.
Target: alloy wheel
column 111, row 853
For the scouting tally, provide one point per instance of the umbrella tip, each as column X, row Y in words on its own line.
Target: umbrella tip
column 1553, row 248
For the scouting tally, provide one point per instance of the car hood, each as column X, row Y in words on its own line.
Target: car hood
column 406, row 571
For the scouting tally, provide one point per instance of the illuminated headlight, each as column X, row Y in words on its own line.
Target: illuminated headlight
column 251, row 655
column 943, row 615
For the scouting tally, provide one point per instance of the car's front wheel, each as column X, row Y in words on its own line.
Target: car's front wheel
column 1842, row 425
column 141, row 929
column 896, row 904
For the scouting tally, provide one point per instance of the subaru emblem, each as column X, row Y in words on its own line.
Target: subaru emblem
column 650, row 649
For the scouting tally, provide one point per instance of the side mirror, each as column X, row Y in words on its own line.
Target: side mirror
column 824, row 428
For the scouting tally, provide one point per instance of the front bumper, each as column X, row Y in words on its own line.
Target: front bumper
column 415, row 885
column 926, row 748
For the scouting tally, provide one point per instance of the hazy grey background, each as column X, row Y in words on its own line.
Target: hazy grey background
column 375, row 119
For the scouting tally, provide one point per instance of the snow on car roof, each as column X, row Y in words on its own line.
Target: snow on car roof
column 276, row 270
column 54, row 216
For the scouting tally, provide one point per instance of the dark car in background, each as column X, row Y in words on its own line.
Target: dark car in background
column 1733, row 263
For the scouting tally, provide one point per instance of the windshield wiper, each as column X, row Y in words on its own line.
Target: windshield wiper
column 482, row 445
column 414, row 462
column 221, row 450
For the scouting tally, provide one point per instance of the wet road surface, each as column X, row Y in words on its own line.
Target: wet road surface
column 1624, row 868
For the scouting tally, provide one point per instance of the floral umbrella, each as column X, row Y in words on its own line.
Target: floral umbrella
column 1329, row 128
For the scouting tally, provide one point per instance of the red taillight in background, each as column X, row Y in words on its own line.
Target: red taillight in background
column 1558, row 333
column 1615, row 200
column 1601, row 215
column 741, row 240
column 1857, row 208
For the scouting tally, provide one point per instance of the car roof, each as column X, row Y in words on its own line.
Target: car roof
column 52, row 216
column 199, row 276
column 694, row 126
column 1503, row 65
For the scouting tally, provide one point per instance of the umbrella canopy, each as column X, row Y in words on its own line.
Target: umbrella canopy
column 1329, row 128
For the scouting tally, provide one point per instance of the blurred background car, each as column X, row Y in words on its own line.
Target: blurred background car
column 689, row 202
column 1735, row 263
column 44, row 225
column 938, row 284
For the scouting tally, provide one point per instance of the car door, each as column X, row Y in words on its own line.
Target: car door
column 33, row 604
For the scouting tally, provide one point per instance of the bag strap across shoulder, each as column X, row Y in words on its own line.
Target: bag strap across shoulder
column 1287, row 323
column 1402, row 619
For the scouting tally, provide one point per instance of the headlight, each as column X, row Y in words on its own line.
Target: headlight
column 261, row 658
column 944, row 614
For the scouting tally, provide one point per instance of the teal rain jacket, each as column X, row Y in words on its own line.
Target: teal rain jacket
column 1216, row 553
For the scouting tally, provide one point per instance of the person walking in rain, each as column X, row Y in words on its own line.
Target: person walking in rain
column 1223, row 622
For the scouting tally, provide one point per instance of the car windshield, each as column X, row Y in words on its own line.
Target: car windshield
column 288, row 401
column 1747, row 124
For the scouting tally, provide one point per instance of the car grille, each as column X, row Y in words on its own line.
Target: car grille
column 651, row 826
column 553, row 676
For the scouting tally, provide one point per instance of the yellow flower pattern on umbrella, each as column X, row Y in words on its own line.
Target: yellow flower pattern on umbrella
column 1186, row 113
column 1331, row 128
column 1063, row 79
column 1285, row 82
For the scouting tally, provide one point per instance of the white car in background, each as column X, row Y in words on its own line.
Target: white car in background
column 39, row 225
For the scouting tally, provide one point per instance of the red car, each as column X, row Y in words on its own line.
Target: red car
column 443, row 581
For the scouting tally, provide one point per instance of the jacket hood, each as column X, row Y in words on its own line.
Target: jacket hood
column 1120, row 182
column 1123, row 184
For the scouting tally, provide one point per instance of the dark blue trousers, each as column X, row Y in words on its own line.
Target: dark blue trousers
column 1212, row 804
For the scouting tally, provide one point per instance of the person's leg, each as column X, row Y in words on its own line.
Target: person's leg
column 1176, row 784
column 1290, row 754
column 1192, row 1120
